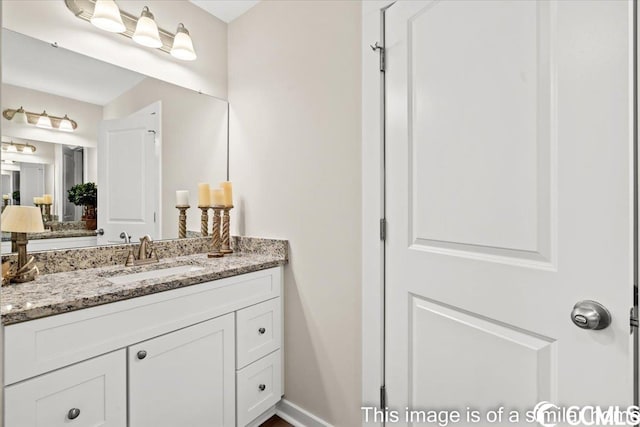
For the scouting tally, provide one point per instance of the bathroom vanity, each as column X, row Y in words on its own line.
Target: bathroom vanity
column 190, row 341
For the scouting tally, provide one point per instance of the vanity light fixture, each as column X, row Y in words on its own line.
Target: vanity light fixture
column 16, row 147
column 20, row 117
column 183, row 45
column 106, row 16
column 44, row 121
column 147, row 30
column 41, row 120
column 143, row 29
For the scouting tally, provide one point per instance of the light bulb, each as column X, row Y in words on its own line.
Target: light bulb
column 44, row 121
column 146, row 30
column 183, row 45
column 65, row 124
column 106, row 16
column 20, row 117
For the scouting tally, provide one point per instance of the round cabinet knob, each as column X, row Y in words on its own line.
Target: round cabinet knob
column 590, row 315
column 73, row 413
column 142, row 354
column 261, row 331
column 262, row 387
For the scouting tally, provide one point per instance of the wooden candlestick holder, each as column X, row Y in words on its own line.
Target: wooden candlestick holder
column 204, row 221
column 182, row 221
column 226, row 219
column 46, row 215
column 215, row 234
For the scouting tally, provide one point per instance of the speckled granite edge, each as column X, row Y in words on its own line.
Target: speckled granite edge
column 59, row 261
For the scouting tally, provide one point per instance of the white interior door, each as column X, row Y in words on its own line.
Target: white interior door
column 31, row 182
column 128, row 176
column 509, row 199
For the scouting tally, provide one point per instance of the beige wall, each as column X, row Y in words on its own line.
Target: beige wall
column 294, row 90
column 50, row 21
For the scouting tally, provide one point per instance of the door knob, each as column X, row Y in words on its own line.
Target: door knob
column 590, row 315
column 142, row 354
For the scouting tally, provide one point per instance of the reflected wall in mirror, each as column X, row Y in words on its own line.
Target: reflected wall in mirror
column 138, row 138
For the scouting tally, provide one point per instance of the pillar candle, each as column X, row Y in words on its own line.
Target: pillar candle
column 5, row 197
column 48, row 199
column 217, row 197
column 228, row 193
column 182, row 198
column 203, row 194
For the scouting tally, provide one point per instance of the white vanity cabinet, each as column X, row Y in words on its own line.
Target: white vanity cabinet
column 201, row 355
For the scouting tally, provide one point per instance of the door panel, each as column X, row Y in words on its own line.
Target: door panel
column 509, row 199
column 128, row 176
column 166, row 391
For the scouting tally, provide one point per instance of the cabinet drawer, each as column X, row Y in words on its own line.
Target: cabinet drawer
column 259, row 387
column 258, row 331
column 91, row 393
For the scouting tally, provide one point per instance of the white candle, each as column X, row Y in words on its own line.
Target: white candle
column 228, row 193
column 48, row 199
column 5, row 197
column 217, row 197
column 182, row 198
column 203, row 194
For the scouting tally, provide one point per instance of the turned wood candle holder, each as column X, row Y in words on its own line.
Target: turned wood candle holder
column 204, row 221
column 216, row 243
column 182, row 221
column 46, row 215
column 226, row 219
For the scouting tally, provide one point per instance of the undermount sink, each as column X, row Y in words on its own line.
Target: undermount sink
column 152, row 274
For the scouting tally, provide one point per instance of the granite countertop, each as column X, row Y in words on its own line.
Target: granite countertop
column 58, row 293
column 57, row 234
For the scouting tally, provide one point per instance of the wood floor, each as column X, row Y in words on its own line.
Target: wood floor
column 275, row 421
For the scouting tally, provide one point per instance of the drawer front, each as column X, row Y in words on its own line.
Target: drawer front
column 259, row 387
column 259, row 331
column 91, row 393
column 42, row 345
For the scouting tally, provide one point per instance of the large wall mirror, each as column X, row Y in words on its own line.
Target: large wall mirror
column 137, row 138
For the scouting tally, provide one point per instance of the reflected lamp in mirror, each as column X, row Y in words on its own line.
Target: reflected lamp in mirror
column 43, row 120
column 20, row 220
column 16, row 147
column 106, row 16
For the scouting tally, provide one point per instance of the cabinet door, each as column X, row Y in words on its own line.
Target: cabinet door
column 184, row 378
column 89, row 394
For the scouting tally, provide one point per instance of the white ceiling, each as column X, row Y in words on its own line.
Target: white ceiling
column 34, row 64
column 226, row 10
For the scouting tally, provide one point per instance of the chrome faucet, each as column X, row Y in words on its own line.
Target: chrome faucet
column 146, row 253
column 124, row 235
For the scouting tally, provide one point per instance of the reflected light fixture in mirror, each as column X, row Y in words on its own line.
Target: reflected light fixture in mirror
column 147, row 30
column 44, row 121
column 20, row 117
column 16, row 147
column 183, row 45
column 65, row 124
column 106, row 16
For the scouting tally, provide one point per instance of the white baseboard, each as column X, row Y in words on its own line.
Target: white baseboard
column 298, row 417
column 263, row 417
